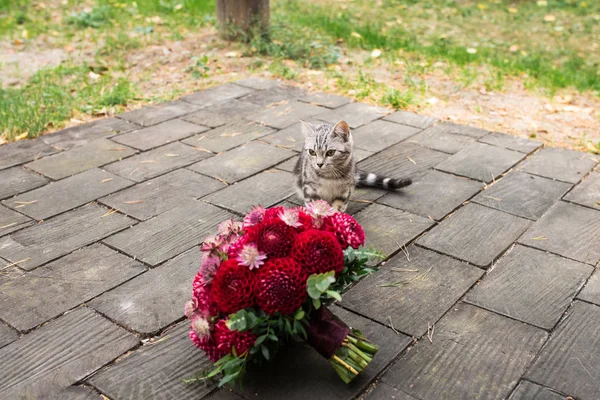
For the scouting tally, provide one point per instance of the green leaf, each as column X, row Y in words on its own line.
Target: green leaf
column 265, row 352
column 299, row 314
column 334, row 294
column 228, row 378
column 214, row 372
column 259, row 340
column 274, row 338
column 317, row 284
column 302, row 331
column 325, row 280
column 316, row 304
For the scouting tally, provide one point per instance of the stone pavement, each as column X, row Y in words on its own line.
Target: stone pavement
column 492, row 289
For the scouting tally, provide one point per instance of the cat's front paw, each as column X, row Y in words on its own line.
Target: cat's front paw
column 339, row 205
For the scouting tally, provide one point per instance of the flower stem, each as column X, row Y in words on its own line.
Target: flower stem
column 353, row 357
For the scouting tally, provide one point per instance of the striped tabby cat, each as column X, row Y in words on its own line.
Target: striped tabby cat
column 327, row 170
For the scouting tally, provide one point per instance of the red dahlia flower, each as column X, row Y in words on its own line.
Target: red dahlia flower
column 345, row 228
column 233, row 287
column 226, row 339
column 318, row 252
column 280, row 286
column 202, row 298
column 275, row 238
column 209, row 345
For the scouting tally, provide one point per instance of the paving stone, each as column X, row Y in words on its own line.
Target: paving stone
column 511, row 142
column 170, row 233
column 160, row 134
column 224, row 393
column 411, row 119
column 587, row 193
column 325, row 100
column 355, row 114
column 467, row 130
column 525, row 195
column 530, row 391
column 403, row 160
column 64, row 284
column 148, row 199
column 228, row 136
column 241, row 162
column 94, row 154
column 7, row 335
column 569, row 362
column 18, row 180
column 224, row 113
column 153, row 300
column 61, row 353
column 360, row 154
column 281, row 94
column 379, row 135
column 76, row 393
column 266, row 189
column 157, row 371
column 23, row 151
column 531, row 286
column 157, row 162
column 11, row 221
column 61, row 196
column 152, row 115
column 258, row 83
column 387, row 229
column 439, row 137
column 561, row 164
column 289, row 138
column 387, row 392
column 481, row 161
column 414, row 293
column 38, row 244
column 319, row 380
column 7, row 272
column 591, row 291
column 435, row 194
column 569, row 230
column 85, row 133
column 475, row 233
column 475, row 354
column 285, row 115
column 217, row 94
column 288, row 165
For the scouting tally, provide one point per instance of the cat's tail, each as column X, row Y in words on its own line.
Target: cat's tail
column 367, row 179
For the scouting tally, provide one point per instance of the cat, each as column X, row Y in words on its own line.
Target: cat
column 326, row 169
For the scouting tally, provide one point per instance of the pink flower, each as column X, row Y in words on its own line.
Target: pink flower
column 201, row 327
column 254, row 217
column 211, row 243
column 230, row 227
column 291, row 217
column 190, row 308
column 319, row 208
column 251, row 257
column 208, row 269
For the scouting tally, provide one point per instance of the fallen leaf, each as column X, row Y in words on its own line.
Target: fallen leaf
column 549, row 18
column 471, row 50
column 375, row 53
column 148, row 161
column 93, row 76
column 356, row 35
column 542, row 3
column 106, row 180
column 171, row 155
column 513, row 48
column 231, row 54
column 540, row 238
column 133, row 202
column 512, row 10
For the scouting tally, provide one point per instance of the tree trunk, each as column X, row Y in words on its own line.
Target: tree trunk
column 239, row 19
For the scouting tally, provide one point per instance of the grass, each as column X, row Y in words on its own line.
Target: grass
column 549, row 44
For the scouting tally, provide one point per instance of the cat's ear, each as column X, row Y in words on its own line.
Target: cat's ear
column 307, row 128
column 342, row 129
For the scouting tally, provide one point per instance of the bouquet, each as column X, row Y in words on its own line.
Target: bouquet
column 264, row 281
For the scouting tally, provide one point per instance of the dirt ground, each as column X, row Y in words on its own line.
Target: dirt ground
column 568, row 119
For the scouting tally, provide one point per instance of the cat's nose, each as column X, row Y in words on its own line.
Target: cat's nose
column 319, row 165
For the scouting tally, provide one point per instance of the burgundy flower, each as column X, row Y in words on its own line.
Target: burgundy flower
column 233, row 287
column 228, row 340
column 318, row 252
column 209, row 345
column 202, row 297
column 345, row 228
column 281, row 286
column 275, row 238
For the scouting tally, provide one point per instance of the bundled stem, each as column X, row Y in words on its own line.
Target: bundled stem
column 352, row 357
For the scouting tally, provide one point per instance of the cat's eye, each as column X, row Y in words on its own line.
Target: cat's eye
column 312, row 152
column 330, row 153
